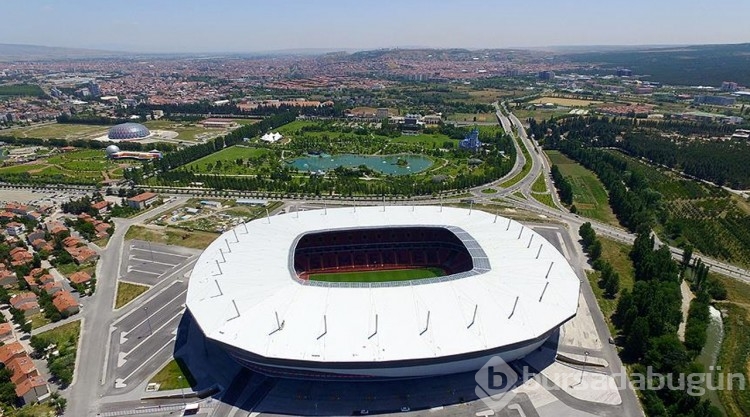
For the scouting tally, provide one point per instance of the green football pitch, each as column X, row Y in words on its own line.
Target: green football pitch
column 379, row 276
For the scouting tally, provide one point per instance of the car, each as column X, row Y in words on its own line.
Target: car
column 611, row 341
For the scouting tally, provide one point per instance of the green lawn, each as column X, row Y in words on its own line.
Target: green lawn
column 127, row 292
column 545, row 198
column 735, row 348
column 186, row 131
column 473, row 117
column 379, row 276
column 435, row 140
column 539, row 186
column 174, row 375
column 589, row 195
column 61, row 131
column 228, row 158
column 524, row 171
column 618, row 255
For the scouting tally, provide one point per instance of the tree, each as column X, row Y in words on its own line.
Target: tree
column 687, row 254
column 58, row 402
column 636, row 341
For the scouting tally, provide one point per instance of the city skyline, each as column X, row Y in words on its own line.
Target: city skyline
column 228, row 26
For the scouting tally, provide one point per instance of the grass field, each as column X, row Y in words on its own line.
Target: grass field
column 545, row 198
column 473, row 117
column 186, row 131
column 379, row 276
column 524, row 171
column 571, row 102
column 618, row 255
column 735, row 348
column 174, row 375
column 427, row 140
column 228, row 158
column 86, row 165
column 172, row 236
column 60, row 131
column 539, row 186
column 127, row 292
column 589, row 195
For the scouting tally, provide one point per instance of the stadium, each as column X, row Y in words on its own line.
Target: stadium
column 371, row 293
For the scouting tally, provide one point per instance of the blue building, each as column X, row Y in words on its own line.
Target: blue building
column 471, row 141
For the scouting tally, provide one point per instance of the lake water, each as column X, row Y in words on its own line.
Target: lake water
column 385, row 164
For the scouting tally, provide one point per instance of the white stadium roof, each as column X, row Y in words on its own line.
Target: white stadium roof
column 524, row 293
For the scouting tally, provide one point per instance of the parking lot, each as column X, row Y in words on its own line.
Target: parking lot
column 144, row 338
column 148, row 263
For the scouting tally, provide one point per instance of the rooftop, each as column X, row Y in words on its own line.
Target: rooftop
column 522, row 289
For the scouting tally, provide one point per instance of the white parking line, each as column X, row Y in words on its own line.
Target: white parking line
column 163, row 253
column 144, row 363
column 144, row 272
column 154, row 262
column 154, row 332
column 147, row 301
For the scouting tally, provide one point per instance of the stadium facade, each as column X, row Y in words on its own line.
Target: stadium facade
column 504, row 292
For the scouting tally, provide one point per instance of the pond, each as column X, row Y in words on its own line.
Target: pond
column 386, row 164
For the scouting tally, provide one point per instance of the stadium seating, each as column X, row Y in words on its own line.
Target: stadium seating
column 381, row 249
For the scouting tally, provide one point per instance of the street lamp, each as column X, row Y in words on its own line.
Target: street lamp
column 182, row 389
column 148, row 321
column 585, row 360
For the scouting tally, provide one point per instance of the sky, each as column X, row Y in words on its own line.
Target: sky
column 266, row 25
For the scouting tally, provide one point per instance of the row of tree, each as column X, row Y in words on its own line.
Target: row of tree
column 721, row 162
column 648, row 318
column 563, row 185
column 609, row 279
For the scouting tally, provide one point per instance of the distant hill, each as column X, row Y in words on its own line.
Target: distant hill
column 678, row 65
column 15, row 52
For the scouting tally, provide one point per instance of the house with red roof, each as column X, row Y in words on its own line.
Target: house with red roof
column 26, row 302
column 142, row 200
column 80, row 277
column 20, row 256
column 32, row 390
column 65, row 303
column 101, row 207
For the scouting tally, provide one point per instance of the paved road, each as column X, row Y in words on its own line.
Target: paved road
column 98, row 315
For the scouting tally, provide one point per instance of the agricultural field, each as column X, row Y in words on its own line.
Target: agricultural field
column 567, row 102
column 68, row 131
column 379, row 276
column 715, row 222
column 472, row 117
column 539, row 114
column 589, row 195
